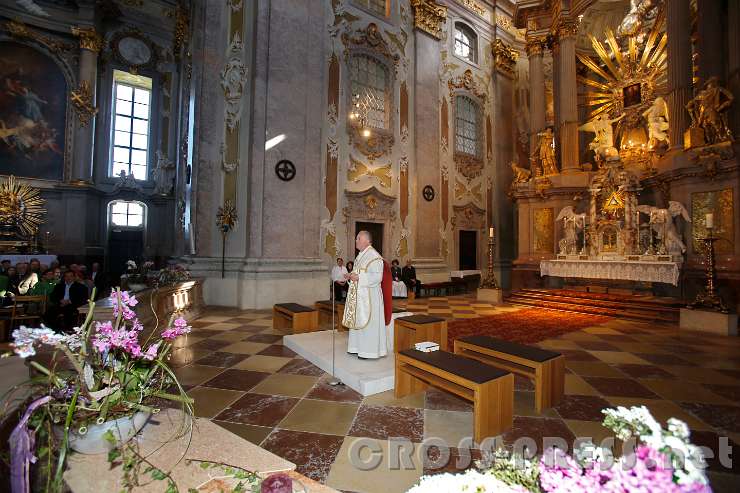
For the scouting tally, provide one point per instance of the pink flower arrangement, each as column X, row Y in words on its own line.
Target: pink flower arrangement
column 179, row 327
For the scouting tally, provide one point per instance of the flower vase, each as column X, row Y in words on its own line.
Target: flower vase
column 93, row 440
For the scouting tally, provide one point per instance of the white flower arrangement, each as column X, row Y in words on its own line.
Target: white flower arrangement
column 470, row 481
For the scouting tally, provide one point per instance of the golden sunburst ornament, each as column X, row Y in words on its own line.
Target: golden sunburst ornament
column 20, row 208
column 226, row 217
column 628, row 75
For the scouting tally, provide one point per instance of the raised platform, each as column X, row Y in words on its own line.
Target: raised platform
column 367, row 377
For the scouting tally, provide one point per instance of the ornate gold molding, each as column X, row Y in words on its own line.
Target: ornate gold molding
column 429, row 17
column 89, row 38
column 359, row 170
column 371, row 39
column 466, row 81
column 19, row 30
column 504, row 56
column 474, row 6
column 82, row 100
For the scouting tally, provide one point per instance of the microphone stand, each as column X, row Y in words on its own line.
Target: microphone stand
column 334, row 381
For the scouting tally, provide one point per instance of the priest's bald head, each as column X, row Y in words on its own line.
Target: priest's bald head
column 363, row 240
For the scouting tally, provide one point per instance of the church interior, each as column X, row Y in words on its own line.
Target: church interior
column 550, row 185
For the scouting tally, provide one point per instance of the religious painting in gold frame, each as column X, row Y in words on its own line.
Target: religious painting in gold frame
column 544, row 237
column 720, row 203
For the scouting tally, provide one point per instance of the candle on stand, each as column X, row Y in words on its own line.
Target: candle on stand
column 709, row 221
column 490, row 232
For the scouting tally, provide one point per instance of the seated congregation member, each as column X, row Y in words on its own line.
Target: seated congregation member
column 399, row 288
column 408, row 276
column 339, row 281
column 67, row 297
column 4, row 266
column 46, row 285
column 99, row 279
column 12, row 280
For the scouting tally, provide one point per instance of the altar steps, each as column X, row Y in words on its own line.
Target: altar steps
column 631, row 307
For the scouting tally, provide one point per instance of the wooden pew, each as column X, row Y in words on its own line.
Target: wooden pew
column 546, row 368
column 325, row 310
column 491, row 390
column 297, row 317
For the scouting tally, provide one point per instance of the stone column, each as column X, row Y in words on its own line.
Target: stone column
column 710, row 44
column 567, row 97
column 678, row 27
column 83, row 99
column 536, row 91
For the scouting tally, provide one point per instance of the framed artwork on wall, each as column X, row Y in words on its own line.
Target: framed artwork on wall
column 33, row 110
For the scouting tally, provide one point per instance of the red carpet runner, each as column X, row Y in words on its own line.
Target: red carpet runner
column 525, row 326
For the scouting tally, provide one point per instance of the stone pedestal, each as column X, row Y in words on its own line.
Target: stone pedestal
column 493, row 296
column 709, row 321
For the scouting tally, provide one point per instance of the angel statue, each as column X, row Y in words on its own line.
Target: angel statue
column 603, row 143
column 657, row 119
column 662, row 222
column 572, row 223
column 521, row 175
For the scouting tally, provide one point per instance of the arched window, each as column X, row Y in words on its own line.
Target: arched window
column 466, row 43
column 467, row 126
column 130, row 145
column 370, row 89
column 127, row 214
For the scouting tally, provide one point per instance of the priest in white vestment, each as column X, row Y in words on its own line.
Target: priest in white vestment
column 363, row 309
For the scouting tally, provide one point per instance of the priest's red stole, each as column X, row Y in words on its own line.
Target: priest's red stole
column 387, row 286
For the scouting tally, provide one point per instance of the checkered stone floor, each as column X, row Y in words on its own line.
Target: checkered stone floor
column 235, row 367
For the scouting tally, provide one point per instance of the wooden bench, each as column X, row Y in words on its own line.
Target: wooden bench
column 407, row 331
column 297, row 317
column 546, row 368
column 325, row 312
column 491, row 390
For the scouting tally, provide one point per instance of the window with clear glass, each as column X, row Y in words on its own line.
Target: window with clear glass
column 467, row 126
column 132, row 98
column 369, row 85
column 466, row 43
column 380, row 7
column 127, row 214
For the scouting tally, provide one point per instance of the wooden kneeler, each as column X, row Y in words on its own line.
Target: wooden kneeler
column 297, row 317
column 491, row 390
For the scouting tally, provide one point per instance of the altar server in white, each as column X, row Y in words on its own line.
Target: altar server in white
column 364, row 310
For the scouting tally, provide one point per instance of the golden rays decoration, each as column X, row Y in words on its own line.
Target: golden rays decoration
column 627, row 76
column 20, row 208
column 226, row 218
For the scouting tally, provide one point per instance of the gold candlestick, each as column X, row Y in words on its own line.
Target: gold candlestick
column 490, row 281
column 709, row 298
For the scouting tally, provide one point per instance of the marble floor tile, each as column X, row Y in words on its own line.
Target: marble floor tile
column 339, row 393
column 209, row 344
column 452, row 427
column 233, row 379
column 439, row 400
column 228, row 336
column 729, row 392
column 582, row 407
column 577, row 355
column 243, row 347
column 537, row 429
column 644, row 371
column 300, row 366
column 277, row 350
column 619, row 357
column 456, row 460
column 221, row 359
column 258, row 409
column 593, row 369
column 268, row 364
column 388, row 399
column 382, row 422
column 209, row 401
column 186, row 355
column 620, row 387
column 252, row 433
column 577, row 385
column 196, row 374
column 719, row 416
column 596, row 346
column 699, row 375
column 286, row 384
column 593, row 430
column 677, row 390
column 524, row 405
column 331, row 418
column 662, row 359
column 662, row 410
column 312, row 453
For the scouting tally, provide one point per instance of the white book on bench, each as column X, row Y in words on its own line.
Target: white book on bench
column 426, row 346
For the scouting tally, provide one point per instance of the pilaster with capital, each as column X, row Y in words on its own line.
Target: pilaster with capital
column 678, row 27
column 566, row 114
column 84, row 99
column 535, row 47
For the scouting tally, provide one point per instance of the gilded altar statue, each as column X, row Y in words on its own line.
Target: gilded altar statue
column 521, row 175
column 546, row 152
column 662, row 222
column 603, row 143
column 657, row 120
column 708, row 111
column 572, row 223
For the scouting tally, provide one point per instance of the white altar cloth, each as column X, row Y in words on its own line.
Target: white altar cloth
column 463, row 273
column 630, row 270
